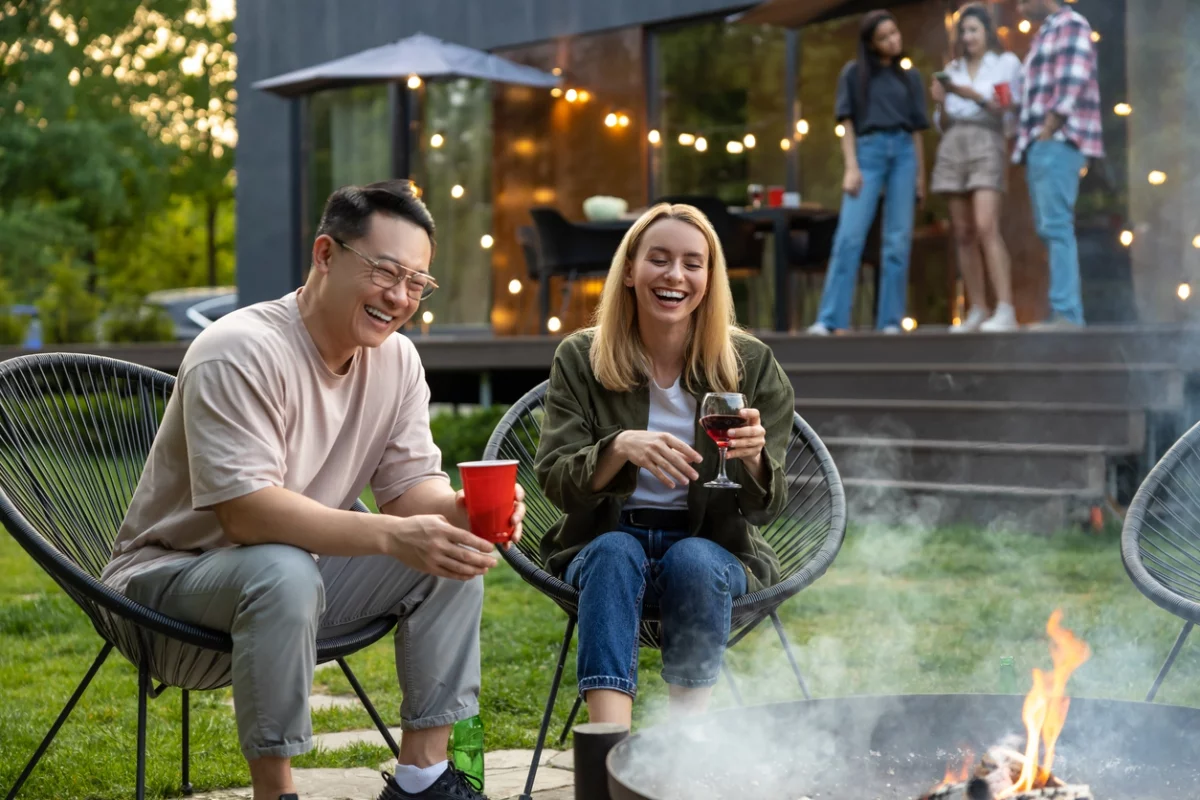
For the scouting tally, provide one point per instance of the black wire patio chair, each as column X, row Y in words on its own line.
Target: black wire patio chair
column 1160, row 540
column 75, row 431
column 806, row 536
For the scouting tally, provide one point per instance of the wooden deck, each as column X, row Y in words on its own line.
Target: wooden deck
column 1038, row 429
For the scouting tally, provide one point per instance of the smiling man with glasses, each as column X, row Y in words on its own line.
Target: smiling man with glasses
column 283, row 412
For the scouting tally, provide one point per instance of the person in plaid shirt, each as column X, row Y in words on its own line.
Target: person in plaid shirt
column 1059, row 130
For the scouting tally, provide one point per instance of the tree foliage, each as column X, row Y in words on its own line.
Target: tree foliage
column 116, row 133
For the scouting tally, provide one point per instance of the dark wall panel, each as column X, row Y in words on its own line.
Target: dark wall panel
column 276, row 36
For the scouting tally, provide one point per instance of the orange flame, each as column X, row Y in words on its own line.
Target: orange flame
column 1045, row 709
column 960, row 773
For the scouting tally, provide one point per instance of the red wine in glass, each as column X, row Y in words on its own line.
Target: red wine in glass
column 717, row 426
column 719, row 415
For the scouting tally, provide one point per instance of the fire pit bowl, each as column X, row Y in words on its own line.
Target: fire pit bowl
column 872, row 748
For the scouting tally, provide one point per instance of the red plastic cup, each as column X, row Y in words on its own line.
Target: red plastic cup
column 775, row 196
column 1003, row 95
column 491, row 490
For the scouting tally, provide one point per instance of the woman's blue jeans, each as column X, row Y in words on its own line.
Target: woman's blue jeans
column 692, row 581
column 888, row 162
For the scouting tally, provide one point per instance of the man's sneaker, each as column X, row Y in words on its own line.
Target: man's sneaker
column 975, row 317
column 452, row 785
column 1055, row 323
column 1005, row 319
column 817, row 329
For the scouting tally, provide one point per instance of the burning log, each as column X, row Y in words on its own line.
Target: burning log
column 996, row 778
column 977, row 789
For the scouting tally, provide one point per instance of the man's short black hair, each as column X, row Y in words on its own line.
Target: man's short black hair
column 347, row 214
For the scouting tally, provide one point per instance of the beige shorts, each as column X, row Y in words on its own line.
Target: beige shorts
column 970, row 157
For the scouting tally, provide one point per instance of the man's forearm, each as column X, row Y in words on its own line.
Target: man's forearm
column 279, row 516
column 433, row 496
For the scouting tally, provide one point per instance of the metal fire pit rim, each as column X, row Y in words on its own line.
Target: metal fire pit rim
column 619, row 787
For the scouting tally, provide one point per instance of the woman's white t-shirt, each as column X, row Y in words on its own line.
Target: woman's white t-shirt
column 673, row 411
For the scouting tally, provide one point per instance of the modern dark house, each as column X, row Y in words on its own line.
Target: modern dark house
column 707, row 97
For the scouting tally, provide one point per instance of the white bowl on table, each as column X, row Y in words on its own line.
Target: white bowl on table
column 603, row 208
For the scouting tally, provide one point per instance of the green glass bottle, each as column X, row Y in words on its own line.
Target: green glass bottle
column 1008, row 675
column 466, row 747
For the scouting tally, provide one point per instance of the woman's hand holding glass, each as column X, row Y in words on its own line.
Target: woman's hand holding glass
column 663, row 455
column 748, row 441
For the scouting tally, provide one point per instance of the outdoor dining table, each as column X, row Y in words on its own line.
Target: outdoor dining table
column 779, row 221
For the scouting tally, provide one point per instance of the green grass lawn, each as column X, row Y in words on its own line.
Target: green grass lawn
column 900, row 611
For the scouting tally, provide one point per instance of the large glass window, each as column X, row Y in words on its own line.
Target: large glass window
column 350, row 142
column 721, row 88
column 453, row 166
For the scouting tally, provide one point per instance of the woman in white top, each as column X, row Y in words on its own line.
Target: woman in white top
column 973, row 97
column 623, row 454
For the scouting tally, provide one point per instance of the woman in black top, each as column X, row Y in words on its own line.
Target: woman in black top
column 882, row 107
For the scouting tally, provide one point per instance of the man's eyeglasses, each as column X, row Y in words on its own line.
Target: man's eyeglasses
column 386, row 273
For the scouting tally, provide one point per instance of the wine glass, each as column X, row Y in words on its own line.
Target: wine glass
column 719, row 415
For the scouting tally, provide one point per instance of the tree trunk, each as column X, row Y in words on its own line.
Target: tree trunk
column 210, row 208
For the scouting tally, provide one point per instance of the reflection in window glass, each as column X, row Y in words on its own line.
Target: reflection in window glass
column 456, row 151
column 350, row 142
column 741, row 69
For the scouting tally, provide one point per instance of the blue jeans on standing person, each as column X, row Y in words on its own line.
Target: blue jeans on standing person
column 888, row 162
column 1052, row 171
column 691, row 580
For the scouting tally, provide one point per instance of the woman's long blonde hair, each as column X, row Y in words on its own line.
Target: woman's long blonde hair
column 618, row 356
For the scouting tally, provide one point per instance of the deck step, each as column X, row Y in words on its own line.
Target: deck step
column 1068, row 467
column 1115, row 429
column 932, row 345
column 1154, row 386
column 928, row 505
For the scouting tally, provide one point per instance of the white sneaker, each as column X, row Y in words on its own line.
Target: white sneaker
column 974, row 321
column 817, row 329
column 1005, row 319
column 891, row 330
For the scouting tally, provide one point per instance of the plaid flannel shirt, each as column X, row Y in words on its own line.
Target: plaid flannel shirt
column 1060, row 76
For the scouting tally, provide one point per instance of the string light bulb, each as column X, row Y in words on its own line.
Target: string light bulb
column 909, row 324
column 1196, row 243
column 701, row 144
column 427, row 318
column 486, row 241
column 785, row 144
column 906, row 63
column 414, row 81
column 554, row 324
column 749, row 140
column 654, row 137
column 610, row 121
column 1184, row 291
column 1126, row 238
column 623, row 120
column 1025, row 26
column 687, row 139
column 457, row 191
column 1157, row 178
column 584, row 95
column 1122, row 109
column 734, row 147
column 802, row 127
column 514, row 286
column 437, row 140
column 840, row 130
column 572, row 95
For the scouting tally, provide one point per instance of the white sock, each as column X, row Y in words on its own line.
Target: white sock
column 415, row 780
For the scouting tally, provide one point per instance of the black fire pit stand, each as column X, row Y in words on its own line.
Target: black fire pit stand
column 593, row 740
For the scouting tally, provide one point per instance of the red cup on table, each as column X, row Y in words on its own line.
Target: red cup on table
column 490, row 489
column 1003, row 95
column 774, row 196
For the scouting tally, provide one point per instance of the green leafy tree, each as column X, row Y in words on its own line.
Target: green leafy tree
column 68, row 310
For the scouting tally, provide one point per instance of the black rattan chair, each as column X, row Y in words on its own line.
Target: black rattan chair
column 1160, row 540
column 806, row 537
column 75, row 431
